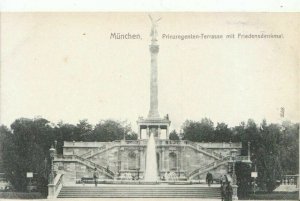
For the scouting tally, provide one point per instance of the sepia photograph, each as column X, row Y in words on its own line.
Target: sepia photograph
column 157, row 105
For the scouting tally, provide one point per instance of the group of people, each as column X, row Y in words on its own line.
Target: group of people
column 170, row 176
column 226, row 188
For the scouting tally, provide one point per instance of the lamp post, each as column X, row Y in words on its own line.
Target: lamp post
column 233, row 156
column 234, row 186
column 52, row 152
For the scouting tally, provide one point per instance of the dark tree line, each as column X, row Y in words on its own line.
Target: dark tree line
column 274, row 147
column 25, row 145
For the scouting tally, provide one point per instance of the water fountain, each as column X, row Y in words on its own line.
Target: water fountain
column 151, row 167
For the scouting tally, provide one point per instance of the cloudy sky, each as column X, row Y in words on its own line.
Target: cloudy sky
column 64, row 66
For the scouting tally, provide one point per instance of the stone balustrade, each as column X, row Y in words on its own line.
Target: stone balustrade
column 55, row 187
column 290, row 180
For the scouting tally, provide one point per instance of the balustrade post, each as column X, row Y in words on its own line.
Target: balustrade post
column 51, row 186
column 234, row 192
column 234, row 186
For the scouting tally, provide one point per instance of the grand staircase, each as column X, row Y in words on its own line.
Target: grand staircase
column 206, row 168
column 140, row 191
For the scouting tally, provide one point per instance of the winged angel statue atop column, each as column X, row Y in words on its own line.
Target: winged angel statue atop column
column 153, row 33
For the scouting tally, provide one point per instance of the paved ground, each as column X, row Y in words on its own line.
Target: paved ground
column 124, row 199
column 133, row 185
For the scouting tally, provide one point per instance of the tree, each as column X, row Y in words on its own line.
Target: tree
column 5, row 143
column 65, row 132
column 266, row 155
column 110, row 130
column 198, row 131
column 25, row 150
column 243, row 172
column 222, row 133
column 131, row 136
column 173, row 135
column 289, row 144
column 83, row 129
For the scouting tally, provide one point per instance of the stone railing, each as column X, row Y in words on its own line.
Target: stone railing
column 243, row 158
column 117, row 143
column 169, row 142
column 208, row 166
column 85, row 155
column 290, row 180
column 216, row 145
column 219, row 156
column 100, row 150
column 55, row 187
column 87, row 163
column 90, row 163
column 130, row 142
column 76, row 144
column 194, row 145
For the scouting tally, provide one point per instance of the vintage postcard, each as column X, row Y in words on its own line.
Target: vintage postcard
column 149, row 105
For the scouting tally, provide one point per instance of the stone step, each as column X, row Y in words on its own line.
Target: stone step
column 139, row 192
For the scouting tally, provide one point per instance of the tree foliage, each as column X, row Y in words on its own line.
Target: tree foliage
column 25, row 146
column 274, row 147
column 173, row 135
column 25, row 149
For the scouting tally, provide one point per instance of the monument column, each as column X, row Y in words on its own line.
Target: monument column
column 139, row 132
column 153, row 112
column 153, row 120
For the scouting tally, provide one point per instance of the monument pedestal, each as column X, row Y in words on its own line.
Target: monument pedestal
column 155, row 125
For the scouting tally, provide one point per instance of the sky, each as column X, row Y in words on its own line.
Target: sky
column 64, row 67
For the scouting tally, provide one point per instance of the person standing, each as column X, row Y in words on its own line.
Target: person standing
column 229, row 192
column 95, row 175
column 209, row 178
column 223, row 191
column 223, row 182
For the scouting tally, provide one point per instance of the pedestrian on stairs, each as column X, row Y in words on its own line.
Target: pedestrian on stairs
column 229, row 192
column 209, row 178
column 95, row 175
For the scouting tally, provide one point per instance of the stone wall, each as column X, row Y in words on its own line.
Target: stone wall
column 130, row 157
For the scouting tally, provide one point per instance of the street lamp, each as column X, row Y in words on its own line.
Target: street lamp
column 52, row 153
column 234, row 186
column 233, row 156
